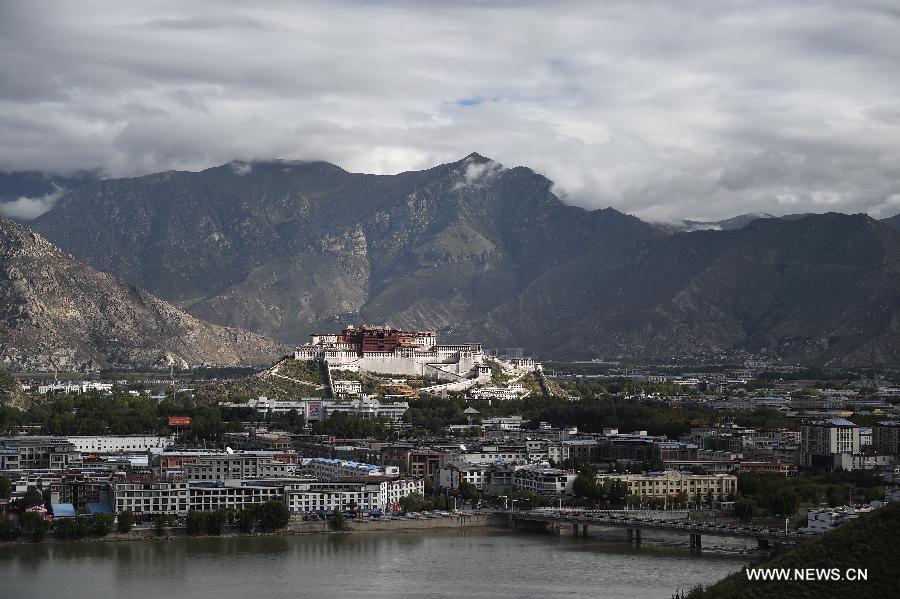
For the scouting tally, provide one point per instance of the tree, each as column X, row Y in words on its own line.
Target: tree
column 743, row 509
column 32, row 498
column 467, row 491
column 245, row 520
column 5, row 487
column 102, row 524
column 80, row 527
column 161, row 522
column 215, row 522
column 784, row 503
column 585, row 486
column 195, row 523
column 414, row 502
column 207, row 425
column 33, row 523
column 8, row 529
column 338, row 521
column 273, row 515
column 125, row 521
column 615, row 491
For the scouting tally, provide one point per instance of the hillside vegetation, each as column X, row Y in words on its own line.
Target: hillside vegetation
column 288, row 379
column 869, row 542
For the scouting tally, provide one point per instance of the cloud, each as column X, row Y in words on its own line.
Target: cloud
column 241, row 168
column 700, row 109
column 24, row 208
column 477, row 173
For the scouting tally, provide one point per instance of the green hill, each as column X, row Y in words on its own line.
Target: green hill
column 869, row 542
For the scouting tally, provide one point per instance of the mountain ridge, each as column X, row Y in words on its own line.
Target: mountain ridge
column 480, row 251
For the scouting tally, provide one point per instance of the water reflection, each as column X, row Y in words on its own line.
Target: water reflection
column 475, row 563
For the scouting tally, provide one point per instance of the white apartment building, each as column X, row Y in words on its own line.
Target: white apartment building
column 502, row 423
column 368, row 408
column 211, row 496
column 330, row 496
column 343, row 388
column 492, row 454
column 821, row 441
column 152, row 497
column 826, row 519
column 543, row 480
column 452, row 475
column 671, row 482
column 119, row 443
column 333, row 469
column 512, row 391
column 241, row 465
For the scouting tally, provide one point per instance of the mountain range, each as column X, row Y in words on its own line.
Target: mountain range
column 59, row 313
column 484, row 252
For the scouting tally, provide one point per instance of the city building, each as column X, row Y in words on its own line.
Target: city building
column 886, row 438
column 511, row 391
column 544, row 480
column 150, row 497
column 344, row 388
column 669, row 483
column 119, row 443
column 334, row 495
column 822, row 441
column 450, row 476
column 333, row 469
column 208, row 496
column 392, row 351
column 241, row 465
column 37, row 453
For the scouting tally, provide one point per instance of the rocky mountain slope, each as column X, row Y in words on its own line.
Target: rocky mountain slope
column 489, row 253
column 285, row 248
column 59, row 313
column 817, row 289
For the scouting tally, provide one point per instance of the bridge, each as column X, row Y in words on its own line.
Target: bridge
column 634, row 524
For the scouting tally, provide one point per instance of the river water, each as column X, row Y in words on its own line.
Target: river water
column 471, row 563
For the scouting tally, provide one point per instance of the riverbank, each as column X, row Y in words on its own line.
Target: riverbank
column 294, row 527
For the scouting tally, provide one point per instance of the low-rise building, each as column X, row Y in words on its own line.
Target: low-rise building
column 119, row 443
column 826, row 519
column 150, row 497
column 544, row 480
column 208, row 496
column 345, row 388
column 450, row 476
column 36, row 453
column 511, row 391
column 334, row 495
column 333, row 469
column 241, row 465
column 672, row 482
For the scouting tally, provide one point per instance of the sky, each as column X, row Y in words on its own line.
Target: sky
column 666, row 110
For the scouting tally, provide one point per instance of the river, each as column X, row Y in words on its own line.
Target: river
column 471, row 563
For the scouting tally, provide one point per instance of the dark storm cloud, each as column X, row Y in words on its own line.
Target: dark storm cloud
column 667, row 110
